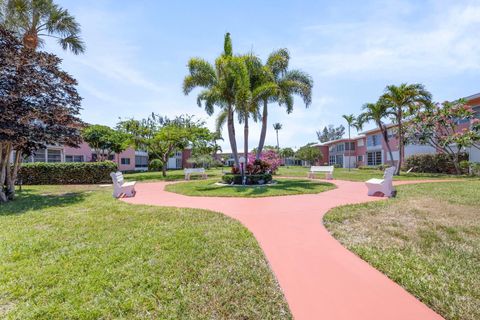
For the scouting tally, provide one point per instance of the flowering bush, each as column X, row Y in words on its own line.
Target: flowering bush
column 268, row 157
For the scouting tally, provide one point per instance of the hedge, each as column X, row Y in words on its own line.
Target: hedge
column 252, row 179
column 66, row 172
column 431, row 163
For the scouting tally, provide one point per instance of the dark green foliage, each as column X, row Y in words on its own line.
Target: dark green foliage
column 250, row 179
column 432, row 163
column 67, row 173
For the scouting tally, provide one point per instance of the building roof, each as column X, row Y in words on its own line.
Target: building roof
column 339, row 140
column 390, row 125
column 473, row 96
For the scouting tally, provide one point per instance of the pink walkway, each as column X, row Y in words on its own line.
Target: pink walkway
column 319, row 277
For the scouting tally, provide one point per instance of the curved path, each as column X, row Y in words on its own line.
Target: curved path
column 319, row 277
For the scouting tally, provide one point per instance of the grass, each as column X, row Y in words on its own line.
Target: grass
column 208, row 188
column 73, row 252
column 427, row 240
column 361, row 175
column 292, row 171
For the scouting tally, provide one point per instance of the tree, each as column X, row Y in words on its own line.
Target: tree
column 105, row 140
column 401, row 100
column 437, row 125
column 376, row 112
column 351, row 120
column 286, row 153
column 225, row 86
column 161, row 137
column 331, row 133
column 40, row 106
column 309, row 153
column 279, row 86
column 277, row 126
column 31, row 20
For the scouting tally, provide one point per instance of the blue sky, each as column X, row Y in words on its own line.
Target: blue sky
column 137, row 53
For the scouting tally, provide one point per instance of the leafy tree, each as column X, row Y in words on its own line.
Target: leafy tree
column 437, row 125
column 279, row 86
column 376, row 112
column 286, row 153
column 331, row 133
column 277, row 126
column 226, row 85
column 31, row 20
column 402, row 100
column 105, row 140
column 40, row 106
column 161, row 136
column 309, row 153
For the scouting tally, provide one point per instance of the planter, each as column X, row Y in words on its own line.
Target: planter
column 251, row 179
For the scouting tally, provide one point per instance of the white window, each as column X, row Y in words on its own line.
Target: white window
column 360, row 143
column 74, row 158
column 360, row 158
column 332, row 160
column 125, row 161
column 54, row 155
column 374, row 158
column 39, row 156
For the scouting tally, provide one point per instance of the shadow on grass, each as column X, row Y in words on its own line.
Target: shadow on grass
column 27, row 200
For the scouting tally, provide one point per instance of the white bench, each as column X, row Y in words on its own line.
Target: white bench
column 189, row 171
column 384, row 185
column 121, row 187
column 328, row 170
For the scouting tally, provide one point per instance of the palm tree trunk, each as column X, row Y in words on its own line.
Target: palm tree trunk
column 278, row 144
column 387, row 142
column 231, row 136
column 349, row 149
column 245, row 138
column 400, row 143
column 263, row 132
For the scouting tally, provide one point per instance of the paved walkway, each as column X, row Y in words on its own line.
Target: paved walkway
column 320, row 278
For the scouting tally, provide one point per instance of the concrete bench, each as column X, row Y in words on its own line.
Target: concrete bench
column 189, row 171
column 121, row 187
column 328, row 170
column 384, row 186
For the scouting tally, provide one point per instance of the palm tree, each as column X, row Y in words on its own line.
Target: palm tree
column 280, row 84
column 277, row 126
column 350, row 121
column 226, row 85
column 33, row 19
column 401, row 100
column 376, row 112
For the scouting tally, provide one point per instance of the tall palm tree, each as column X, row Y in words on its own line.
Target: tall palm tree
column 277, row 126
column 279, row 86
column 33, row 19
column 350, row 122
column 376, row 112
column 401, row 100
column 226, row 85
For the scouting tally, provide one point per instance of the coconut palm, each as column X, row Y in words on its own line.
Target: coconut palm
column 277, row 126
column 32, row 20
column 226, row 85
column 279, row 86
column 376, row 112
column 401, row 100
column 351, row 120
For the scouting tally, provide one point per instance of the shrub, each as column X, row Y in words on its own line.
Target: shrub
column 380, row 167
column 431, row 163
column 251, row 179
column 155, row 165
column 67, row 172
column 269, row 157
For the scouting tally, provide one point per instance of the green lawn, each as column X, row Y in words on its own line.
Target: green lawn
column 360, row 175
column 73, row 252
column 208, row 188
column 427, row 240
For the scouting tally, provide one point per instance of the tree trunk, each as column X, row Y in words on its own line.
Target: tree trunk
column 245, row 139
column 387, row 142
column 349, row 149
column 263, row 132
column 400, row 143
column 231, row 136
column 4, row 154
column 164, row 166
column 12, row 176
column 278, row 144
column 30, row 39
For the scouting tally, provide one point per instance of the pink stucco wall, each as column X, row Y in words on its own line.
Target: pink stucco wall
column 85, row 150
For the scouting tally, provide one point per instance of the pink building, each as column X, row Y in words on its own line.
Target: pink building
column 128, row 160
column 370, row 149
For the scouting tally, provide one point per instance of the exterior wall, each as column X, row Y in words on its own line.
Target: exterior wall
column 186, row 154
